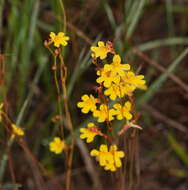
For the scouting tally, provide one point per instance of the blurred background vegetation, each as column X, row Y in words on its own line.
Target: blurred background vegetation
column 151, row 35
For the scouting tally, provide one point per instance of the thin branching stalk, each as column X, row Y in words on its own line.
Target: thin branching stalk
column 63, row 73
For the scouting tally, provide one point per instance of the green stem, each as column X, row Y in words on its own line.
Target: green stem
column 59, row 97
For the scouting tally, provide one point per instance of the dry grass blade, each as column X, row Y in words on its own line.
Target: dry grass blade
column 176, row 79
column 157, row 84
column 155, row 113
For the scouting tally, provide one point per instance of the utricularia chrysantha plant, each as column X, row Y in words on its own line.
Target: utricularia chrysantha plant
column 114, row 101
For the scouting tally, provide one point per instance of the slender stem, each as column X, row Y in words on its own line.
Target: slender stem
column 63, row 73
column 59, row 97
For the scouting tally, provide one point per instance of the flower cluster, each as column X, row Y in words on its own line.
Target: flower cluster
column 116, row 84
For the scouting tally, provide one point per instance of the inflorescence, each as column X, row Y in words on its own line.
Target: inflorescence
column 116, row 84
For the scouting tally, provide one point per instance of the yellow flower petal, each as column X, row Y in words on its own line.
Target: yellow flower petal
column 94, row 152
column 100, row 43
column 117, row 59
column 103, row 148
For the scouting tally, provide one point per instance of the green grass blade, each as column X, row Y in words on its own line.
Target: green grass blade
column 136, row 18
column 130, row 9
column 110, row 15
column 128, row 5
column 31, row 93
column 178, row 149
column 163, row 42
column 27, row 46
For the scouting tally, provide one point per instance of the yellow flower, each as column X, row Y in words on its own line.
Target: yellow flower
column 89, row 103
column 101, row 51
column 57, row 145
column 116, row 67
column 90, row 132
column 134, row 80
column 116, row 155
column 110, row 160
column 104, row 114
column 119, row 90
column 104, row 157
column 113, row 91
column 123, row 111
column 107, row 77
column 17, row 130
column 59, row 39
